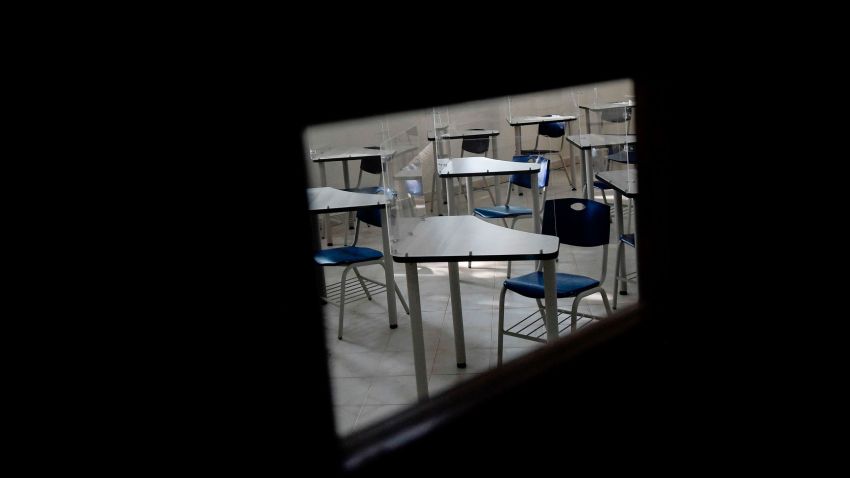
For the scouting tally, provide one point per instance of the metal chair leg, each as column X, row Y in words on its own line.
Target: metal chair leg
column 362, row 284
column 501, row 324
column 342, row 301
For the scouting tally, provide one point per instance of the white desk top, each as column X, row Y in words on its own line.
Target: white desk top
column 354, row 152
column 479, row 166
column 522, row 120
column 622, row 180
column 587, row 141
column 326, row 200
column 609, row 106
column 453, row 238
column 465, row 133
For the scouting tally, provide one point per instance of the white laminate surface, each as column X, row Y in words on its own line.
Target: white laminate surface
column 623, row 181
column 465, row 133
column 480, row 166
column 587, row 141
column 326, row 199
column 460, row 238
column 345, row 154
column 532, row 119
column 609, row 106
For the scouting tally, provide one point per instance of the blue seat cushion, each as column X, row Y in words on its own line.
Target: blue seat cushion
column 628, row 239
column 568, row 285
column 346, row 255
column 497, row 212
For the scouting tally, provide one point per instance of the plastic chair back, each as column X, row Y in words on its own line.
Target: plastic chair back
column 552, row 130
column 475, row 145
column 372, row 216
column 524, row 180
column 577, row 222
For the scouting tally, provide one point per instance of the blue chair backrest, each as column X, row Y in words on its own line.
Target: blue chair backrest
column 588, row 226
column 475, row 145
column 524, row 180
column 372, row 216
column 371, row 165
column 552, row 130
column 617, row 115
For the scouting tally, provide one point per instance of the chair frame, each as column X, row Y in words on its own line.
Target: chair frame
column 362, row 280
column 543, row 188
column 572, row 172
column 574, row 314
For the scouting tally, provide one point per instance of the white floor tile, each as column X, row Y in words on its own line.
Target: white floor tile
column 350, row 391
column 370, row 414
column 346, row 417
column 401, row 363
column 477, row 361
column 356, row 364
column 399, row 390
column 439, row 382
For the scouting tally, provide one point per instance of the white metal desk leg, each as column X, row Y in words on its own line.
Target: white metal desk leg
column 551, row 300
column 535, row 203
column 437, row 185
column 326, row 218
column 389, row 274
column 518, row 139
column 450, row 191
column 572, row 156
column 347, row 183
column 618, row 211
column 317, row 243
column 457, row 315
column 587, row 172
column 637, row 241
column 416, row 330
column 470, row 203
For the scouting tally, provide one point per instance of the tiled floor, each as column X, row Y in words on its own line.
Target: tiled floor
column 372, row 367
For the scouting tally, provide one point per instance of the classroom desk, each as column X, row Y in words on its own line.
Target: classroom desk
column 624, row 183
column 343, row 155
column 448, row 134
column 463, row 238
column 604, row 107
column 477, row 166
column 327, row 200
column 587, row 142
column 519, row 121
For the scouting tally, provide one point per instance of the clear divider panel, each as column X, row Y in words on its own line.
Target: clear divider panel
column 526, row 113
column 443, row 150
column 602, row 107
column 614, row 149
column 408, row 166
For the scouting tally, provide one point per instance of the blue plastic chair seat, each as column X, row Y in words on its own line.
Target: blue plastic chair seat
column 497, row 212
column 341, row 256
column 567, row 285
column 628, row 239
